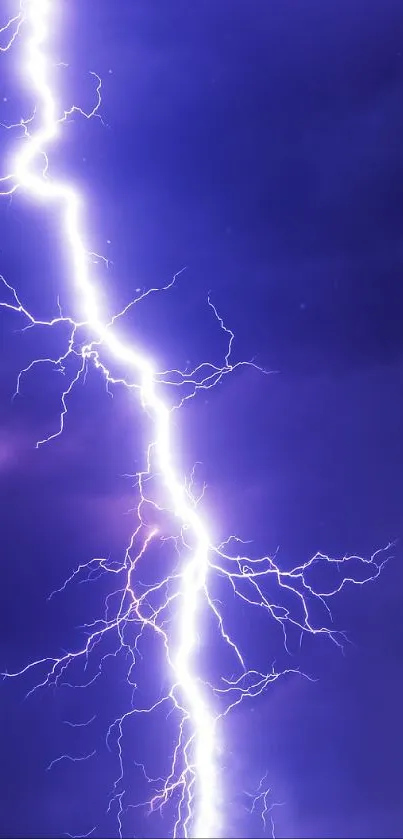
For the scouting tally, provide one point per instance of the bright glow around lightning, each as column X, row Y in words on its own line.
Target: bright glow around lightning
column 172, row 608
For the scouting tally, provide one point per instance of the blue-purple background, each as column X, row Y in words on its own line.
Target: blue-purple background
column 260, row 145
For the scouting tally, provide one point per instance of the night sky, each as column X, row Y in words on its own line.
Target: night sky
column 258, row 143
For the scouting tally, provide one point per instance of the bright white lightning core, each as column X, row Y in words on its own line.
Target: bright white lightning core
column 171, row 607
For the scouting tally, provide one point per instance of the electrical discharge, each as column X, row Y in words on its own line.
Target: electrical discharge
column 172, row 608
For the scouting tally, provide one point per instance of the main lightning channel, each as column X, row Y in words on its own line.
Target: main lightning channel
column 37, row 14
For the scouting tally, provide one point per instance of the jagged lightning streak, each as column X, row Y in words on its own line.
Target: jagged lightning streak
column 171, row 607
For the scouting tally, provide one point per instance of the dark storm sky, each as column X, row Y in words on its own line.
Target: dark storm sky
column 260, row 145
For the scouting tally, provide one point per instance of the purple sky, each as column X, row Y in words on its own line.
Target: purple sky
column 260, row 145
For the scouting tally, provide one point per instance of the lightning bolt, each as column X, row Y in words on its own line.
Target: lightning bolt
column 174, row 607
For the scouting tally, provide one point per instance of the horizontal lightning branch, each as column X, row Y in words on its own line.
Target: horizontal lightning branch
column 174, row 607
